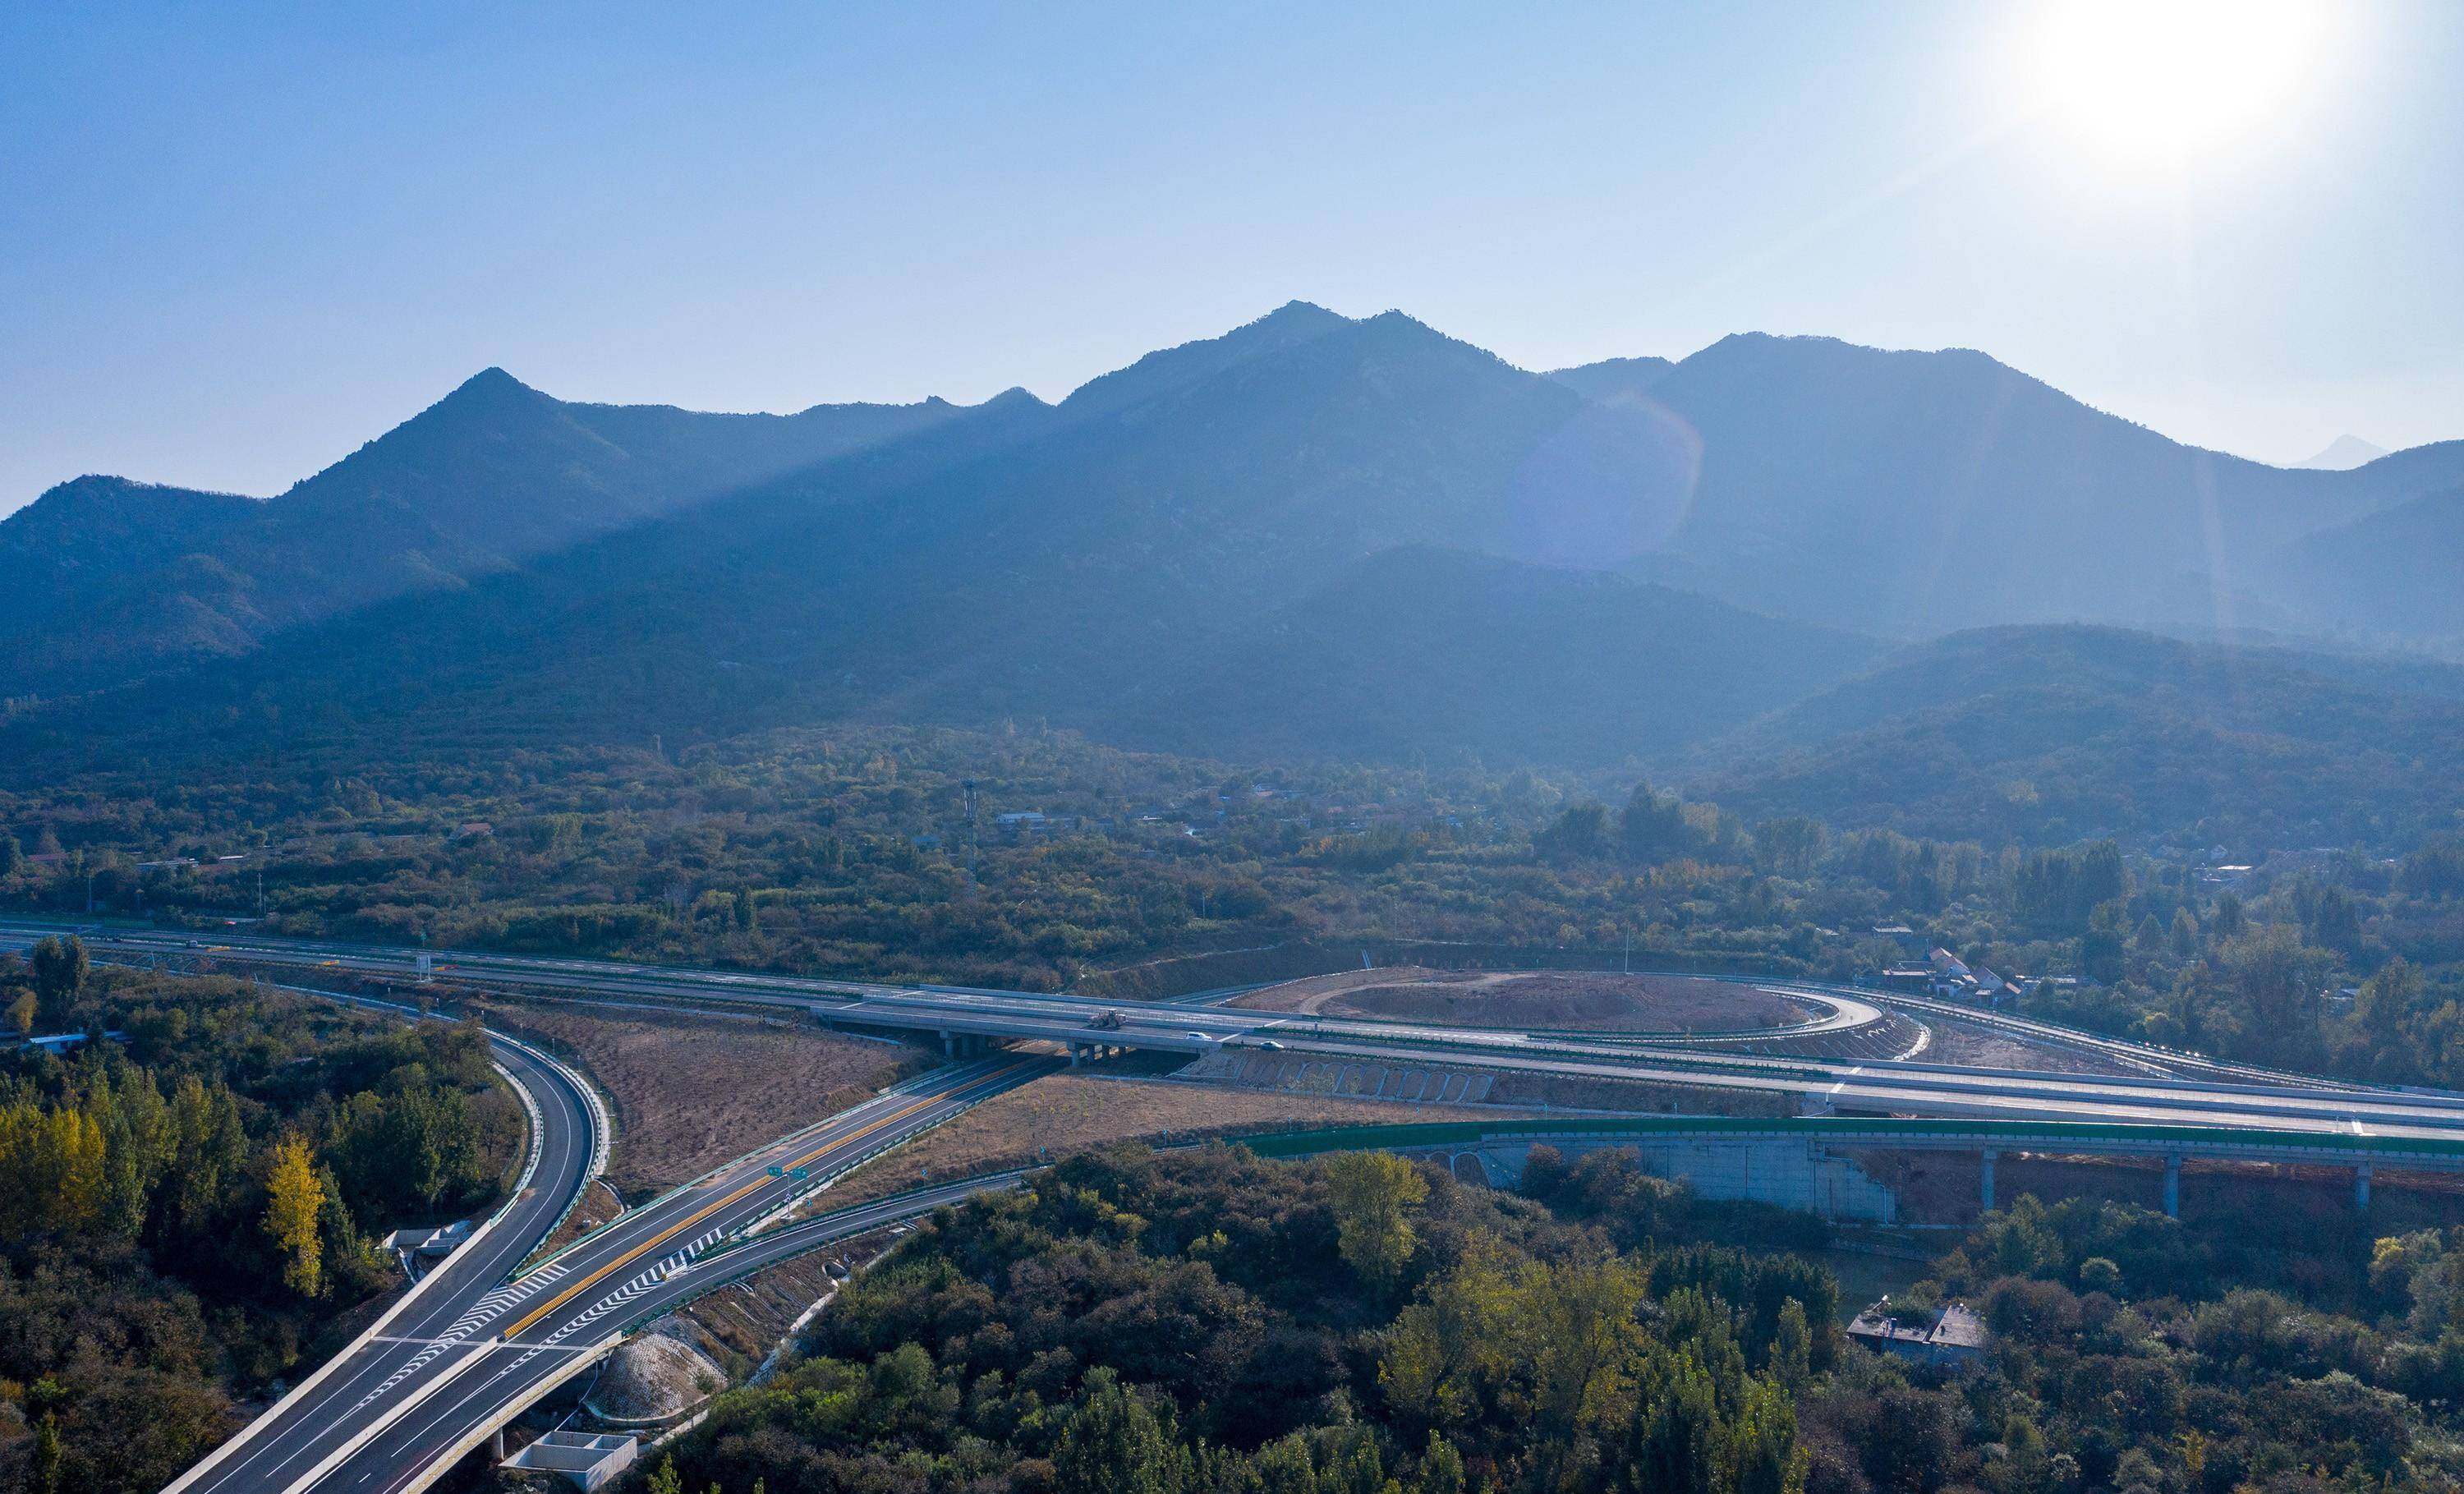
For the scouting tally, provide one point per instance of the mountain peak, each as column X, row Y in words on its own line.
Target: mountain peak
column 2344, row 453
column 1190, row 363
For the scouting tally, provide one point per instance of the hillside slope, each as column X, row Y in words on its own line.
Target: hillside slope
column 1438, row 654
column 2052, row 733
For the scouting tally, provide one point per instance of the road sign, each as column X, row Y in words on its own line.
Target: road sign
column 800, row 1175
column 776, row 1170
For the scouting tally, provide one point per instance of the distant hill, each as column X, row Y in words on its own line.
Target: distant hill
column 495, row 473
column 1613, row 377
column 2397, row 575
column 2344, row 453
column 2049, row 734
column 1914, row 493
column 1436, row 653
column 81, row 533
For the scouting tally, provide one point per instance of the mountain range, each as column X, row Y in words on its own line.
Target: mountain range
column 1314, row 536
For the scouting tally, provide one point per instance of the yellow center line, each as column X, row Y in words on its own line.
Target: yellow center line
column 755, row 1186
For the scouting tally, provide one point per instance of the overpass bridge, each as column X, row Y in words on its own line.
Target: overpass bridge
column 1501, row 1145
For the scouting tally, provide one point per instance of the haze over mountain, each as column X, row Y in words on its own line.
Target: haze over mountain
column 1311, row 535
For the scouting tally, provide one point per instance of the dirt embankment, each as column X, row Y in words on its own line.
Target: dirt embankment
column 1585, row 1000
column 692, row 1092
column 1067, row 1113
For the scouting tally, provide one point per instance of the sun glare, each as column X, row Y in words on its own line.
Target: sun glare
column 2159, row 82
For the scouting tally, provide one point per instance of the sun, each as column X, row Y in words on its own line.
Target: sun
column 2158, row 83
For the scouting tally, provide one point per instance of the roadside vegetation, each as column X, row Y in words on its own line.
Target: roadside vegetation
column 189, row 1211
column 1208, row 1321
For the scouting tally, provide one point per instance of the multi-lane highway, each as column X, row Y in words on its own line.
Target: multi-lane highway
column 282, row 1445
column 445, row 1379
column 520, row 1340
column 2177, row 1090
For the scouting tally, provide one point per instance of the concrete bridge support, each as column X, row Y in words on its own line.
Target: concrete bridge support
column 1986, row 1172
column 2362, row 1187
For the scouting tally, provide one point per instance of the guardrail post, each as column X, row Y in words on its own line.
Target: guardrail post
column 2362, row 1187
column 2173, row 1185
column 1989, row 1156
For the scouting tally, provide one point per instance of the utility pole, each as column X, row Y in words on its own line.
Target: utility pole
column 969, row 784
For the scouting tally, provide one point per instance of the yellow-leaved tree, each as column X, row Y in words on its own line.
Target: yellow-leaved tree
column 291, row 1217
column 1370, row 1191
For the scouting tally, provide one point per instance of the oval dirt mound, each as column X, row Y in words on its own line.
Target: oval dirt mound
column 1593, row 1002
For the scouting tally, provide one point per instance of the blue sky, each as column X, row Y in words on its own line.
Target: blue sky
column 235, row 240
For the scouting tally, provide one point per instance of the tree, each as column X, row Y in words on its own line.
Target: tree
column 295, row 1198
column 12, row 856
column 2100, row 946
column 667, row 1481
column 1370, row 1191
column 59, row 968
column 1580, row 834
column 1441, row 1468
column 1114, row 1444
column 1792, row 1351
column 2185, row 933
column 48, row 1453
column 1674, row 1440
column 1763, row 1457
column 1652, row 828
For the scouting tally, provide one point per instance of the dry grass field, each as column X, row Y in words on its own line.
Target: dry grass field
column 1067, row 1113
column 1594, row 1000
column 692, row 1092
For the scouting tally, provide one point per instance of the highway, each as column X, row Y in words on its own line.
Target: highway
column 299, row 1430
column 446, row 1379
column 524, row 1339
column 2182, row 1091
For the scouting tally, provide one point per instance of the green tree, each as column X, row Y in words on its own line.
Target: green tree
column 1791, row 1350
column 1673, row 1444
column 1370, row 1192
column 1441, row 1468
column 48, row 1453
column 665, row 1480
column 1114, row 1444
column 1763, row 1453
column 60, row 969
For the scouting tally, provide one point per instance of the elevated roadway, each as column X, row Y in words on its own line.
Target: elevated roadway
column 2167, row 1096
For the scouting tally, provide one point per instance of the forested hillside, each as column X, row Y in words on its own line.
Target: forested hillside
column 1211, row 1323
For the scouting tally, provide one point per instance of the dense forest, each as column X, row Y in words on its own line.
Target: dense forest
column 1145, row 1324
column 189, row 1205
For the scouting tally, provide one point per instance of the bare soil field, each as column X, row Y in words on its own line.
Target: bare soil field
column 1594, row 1002
column 692, row 1092
column 1977, row 1046
column 1069, row 1113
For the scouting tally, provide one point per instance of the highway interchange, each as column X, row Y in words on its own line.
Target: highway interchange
column 476, row 1342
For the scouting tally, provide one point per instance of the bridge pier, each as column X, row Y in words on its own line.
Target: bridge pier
column 496, row 1446
column 2362, row 1187
column 1991, row 1156
column 2173, row 1185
